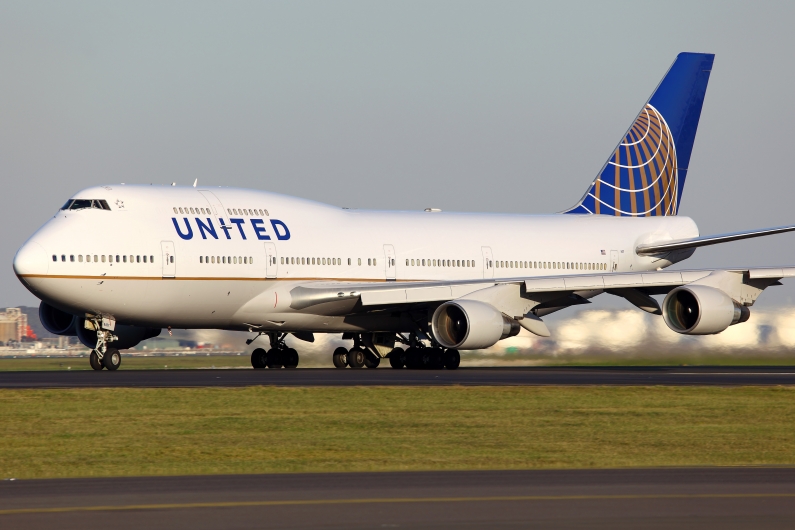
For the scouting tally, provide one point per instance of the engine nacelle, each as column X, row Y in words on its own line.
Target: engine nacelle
column 701, row 310
column 471, row 325
column 129, row 336
column 56, row 321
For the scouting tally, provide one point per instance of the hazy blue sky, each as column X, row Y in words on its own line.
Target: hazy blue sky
column 491, row 106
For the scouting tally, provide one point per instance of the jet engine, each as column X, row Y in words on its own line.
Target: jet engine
column 56, row 321
column 129, row 336
column 701, row 310
column 471, row 325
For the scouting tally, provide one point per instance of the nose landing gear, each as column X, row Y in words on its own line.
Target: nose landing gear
column 103, row 356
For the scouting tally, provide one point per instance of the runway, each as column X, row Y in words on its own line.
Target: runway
column 676, row 376
column 725, row 498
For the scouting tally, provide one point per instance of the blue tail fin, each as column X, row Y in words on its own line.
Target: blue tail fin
column 646, row 173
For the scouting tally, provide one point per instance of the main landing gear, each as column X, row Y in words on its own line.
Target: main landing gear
column 421, row 357
column 415, row 357
column 277, row 356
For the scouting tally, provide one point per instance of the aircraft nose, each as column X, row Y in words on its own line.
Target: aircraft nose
column 31, row 258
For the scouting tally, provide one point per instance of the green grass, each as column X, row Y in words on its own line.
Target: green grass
column 128, row 363
column 112, row 432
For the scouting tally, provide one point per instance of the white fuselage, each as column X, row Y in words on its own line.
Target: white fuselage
column 119, row 262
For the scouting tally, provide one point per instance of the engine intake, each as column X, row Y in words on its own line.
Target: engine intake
column 702, row 310
column 471, row 325
column 56, row 321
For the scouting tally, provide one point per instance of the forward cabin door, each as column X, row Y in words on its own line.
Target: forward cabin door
column 391, row 266
column 613, row 261
column 271, row 263
column 488, row 262
column 169, row 259
column 217, row 208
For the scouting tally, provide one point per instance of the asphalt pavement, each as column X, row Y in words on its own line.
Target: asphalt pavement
column 708, row 498
column 677, row 376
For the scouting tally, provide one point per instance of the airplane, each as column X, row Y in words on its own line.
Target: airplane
column 119, row 263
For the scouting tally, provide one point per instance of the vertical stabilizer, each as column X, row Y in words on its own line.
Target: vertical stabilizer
column 645, row 175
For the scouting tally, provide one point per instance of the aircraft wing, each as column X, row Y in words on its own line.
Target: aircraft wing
column 373, row 294
column 679, row 244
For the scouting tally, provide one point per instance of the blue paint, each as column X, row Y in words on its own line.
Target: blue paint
column 281, row 236
column 210, row 229
column 260, row 230
column 189, row 235
column 239, row 223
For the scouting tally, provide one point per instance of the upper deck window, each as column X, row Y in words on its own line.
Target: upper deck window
column 83, row 204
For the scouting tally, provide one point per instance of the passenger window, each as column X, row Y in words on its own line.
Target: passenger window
column 151, row 259
column 201, row 259
column 251, row 260
column 71, row 257
column 360, row 262
column 175, row 210
column 80, row 258
column 54, row 257
column 229, row 211
column 374, row 262
column 138, row 259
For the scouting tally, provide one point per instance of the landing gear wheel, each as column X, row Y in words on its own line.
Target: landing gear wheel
column 258, row 358
column 397, row 358
column 371, row 361
column 112, row 359
column 289, row 358
column 273, row 359
column 413, row 360
column 340, row 357
column 436, row 359
column 452, row 359
column 93, row 359
column 355, row 358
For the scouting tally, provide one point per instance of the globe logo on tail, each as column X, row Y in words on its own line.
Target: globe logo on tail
column 641, row 177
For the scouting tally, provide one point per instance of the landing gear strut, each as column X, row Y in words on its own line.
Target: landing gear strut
column 103, row 356
column 279, row 354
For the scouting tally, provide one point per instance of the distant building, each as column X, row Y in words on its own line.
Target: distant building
column 14, row 326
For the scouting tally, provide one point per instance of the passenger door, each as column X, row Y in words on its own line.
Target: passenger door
column 217, row 208
column 613, row 261
column 391, row 267
column 488, row 263
column 271, row 264
column 169, row 259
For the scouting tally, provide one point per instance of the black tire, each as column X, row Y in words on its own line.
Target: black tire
column 397, row 358
column 452, row 359
column 436, row 359
column 413, row 360
column 112, row 359
column 355, row 358
column 371, row 361
column 340, row 357
column 289, row 358
column 258, row 358
column 93, row 359
column 273, row 358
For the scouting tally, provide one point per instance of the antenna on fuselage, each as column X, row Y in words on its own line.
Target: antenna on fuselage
column 195, row 182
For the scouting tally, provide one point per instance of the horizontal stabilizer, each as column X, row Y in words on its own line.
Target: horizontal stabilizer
column 679, row 244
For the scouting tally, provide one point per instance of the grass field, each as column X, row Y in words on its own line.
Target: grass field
column 112, row 432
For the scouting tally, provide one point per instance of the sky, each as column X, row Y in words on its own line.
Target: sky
column 465, row 106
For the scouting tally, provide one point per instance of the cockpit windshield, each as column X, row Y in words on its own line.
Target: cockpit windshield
column 82, row 204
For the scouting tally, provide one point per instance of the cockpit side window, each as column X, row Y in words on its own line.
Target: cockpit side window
column 82, row 204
